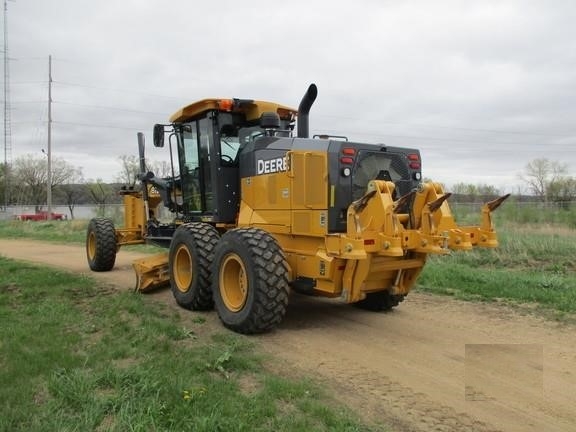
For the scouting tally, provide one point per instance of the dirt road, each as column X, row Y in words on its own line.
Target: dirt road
column 434, row 364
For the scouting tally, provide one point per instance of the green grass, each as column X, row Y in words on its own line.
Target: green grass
column 72, row 231
column 75, row 356
column 514, row 213
column 532, row 265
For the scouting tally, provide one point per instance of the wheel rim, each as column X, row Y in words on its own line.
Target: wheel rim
column 183, row 268
column 233, row 282
column 91, row 245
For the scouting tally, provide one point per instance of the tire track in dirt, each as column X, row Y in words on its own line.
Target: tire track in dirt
column 420, row 352
column 434, row 364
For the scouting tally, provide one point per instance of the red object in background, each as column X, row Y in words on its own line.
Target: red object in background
column 40, row 216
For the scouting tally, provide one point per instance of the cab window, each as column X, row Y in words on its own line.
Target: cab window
column 194, row 157
column 229, row 140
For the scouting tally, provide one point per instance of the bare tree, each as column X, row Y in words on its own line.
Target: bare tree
column 465, row 189
column 73, row 190
column 161, row 168
column 562, row 190
column 486, row 190
column 539, row 174
column 128, row 175
column 101, row 193
column 470, row 192
column 130, row 170
column 31, row 173
column 4, row 184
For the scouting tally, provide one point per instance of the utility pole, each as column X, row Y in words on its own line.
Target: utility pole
column 49, row 154
column 7, row 126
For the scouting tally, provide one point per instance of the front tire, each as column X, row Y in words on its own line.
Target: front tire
column 190, row 257
column 250, row 281
column 101, row 244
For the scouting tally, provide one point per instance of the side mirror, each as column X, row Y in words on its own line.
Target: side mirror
column 158, row 135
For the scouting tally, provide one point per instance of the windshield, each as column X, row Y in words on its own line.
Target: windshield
column 229, row 146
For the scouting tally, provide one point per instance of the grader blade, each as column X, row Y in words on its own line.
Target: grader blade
column 151, row 272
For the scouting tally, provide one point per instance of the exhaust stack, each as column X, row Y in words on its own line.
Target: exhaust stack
column 304, row 110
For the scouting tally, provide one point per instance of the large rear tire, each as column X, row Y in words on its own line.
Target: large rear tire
column 190, row 257
column 250, row 281
column 380, row 301
column 101, row 244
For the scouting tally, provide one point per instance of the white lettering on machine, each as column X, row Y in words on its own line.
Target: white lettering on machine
column 271, row 165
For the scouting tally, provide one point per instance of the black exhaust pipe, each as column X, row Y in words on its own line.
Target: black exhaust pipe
column 304, row 110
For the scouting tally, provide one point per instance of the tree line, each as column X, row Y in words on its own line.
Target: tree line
column 544, row 180
column 26, row 183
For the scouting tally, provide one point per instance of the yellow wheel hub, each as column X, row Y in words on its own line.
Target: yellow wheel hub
column 233, row 282
column 91, row 245
column 182, row 268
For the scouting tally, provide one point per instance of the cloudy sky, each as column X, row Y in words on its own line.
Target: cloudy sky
column 481, row 88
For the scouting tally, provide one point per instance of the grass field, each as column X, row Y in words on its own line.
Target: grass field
column 534, row 264
column 73, row 231
column 75, row 356
column 514, row 213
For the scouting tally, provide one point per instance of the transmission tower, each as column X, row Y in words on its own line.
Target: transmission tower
column 7, row 108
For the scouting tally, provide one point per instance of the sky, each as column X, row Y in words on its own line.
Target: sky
column 480, row 88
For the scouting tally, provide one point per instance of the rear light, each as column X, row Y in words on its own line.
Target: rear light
column 414, row 161
column 347, row 160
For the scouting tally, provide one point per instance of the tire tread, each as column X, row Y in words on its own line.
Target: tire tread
column 205, row 238
column 271, row 290
column 106, row 246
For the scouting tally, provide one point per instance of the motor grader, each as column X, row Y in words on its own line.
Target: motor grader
column 260, row 210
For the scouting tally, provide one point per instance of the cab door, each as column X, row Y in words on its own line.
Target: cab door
column 194, row 160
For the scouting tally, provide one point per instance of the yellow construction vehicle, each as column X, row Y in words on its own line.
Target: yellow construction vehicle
column 259, row 211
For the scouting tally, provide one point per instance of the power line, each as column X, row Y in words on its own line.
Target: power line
column 26, row 102
column 383, row 136
column 116, row 90
column 7, row 111
column 453, row 127
column 429, row 138
column 96, row 125
column 109, row 108
column 456, row 128
column 28, row 82
column 490, row 130
column 498, row 131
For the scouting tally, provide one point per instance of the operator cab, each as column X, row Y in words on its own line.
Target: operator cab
column 208, row 136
